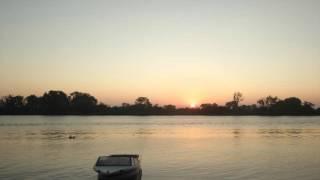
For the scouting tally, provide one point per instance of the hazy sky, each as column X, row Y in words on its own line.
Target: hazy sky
column 172, row 51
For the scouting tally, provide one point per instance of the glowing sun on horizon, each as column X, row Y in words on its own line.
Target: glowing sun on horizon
column 193, row 105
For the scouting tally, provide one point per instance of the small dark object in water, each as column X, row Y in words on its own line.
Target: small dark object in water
column 119, row 167
column 72, row 137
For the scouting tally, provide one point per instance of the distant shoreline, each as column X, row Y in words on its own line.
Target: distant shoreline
column 79, row 103
column 145, row 115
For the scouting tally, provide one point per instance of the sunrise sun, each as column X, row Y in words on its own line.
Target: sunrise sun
column 193, row 105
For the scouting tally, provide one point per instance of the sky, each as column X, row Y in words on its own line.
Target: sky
column 172, row 51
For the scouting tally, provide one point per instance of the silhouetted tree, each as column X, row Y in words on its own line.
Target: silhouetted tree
column 266, row 105
column 248, row 109
column 143, row 101
column 261, row 103
column 33, row 104
column 102, row 108
column 268, row 101
column 13, row 104
column 1, row 106
column 169, row 109
column 156, row 109
column 308, row 107
column 124, row 109
column 142, row 106
column 208, row 108
column 237, row 97
column 293, row 102
column 231, row 105
column 82, row 103
column 288, row 106
column 234, row 104
column 55, row 102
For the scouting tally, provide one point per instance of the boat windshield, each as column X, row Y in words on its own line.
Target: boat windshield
column 113, row 161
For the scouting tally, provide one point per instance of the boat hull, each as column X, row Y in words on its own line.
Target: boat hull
column 135, row 174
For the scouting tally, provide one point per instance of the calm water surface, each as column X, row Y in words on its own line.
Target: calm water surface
column 172, row 147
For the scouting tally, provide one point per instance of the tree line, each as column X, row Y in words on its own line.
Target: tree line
column 79, row 103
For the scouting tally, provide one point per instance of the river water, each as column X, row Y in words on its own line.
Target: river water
column 171, row 147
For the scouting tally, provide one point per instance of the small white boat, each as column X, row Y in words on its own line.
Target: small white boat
column 119, row 167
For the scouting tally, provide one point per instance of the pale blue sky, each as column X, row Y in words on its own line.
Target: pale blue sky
column 173, row 51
